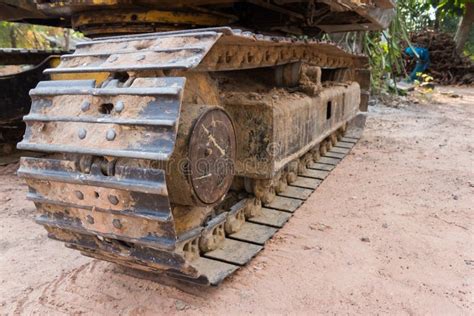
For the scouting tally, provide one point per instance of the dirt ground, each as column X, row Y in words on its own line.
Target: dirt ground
column 389, row 232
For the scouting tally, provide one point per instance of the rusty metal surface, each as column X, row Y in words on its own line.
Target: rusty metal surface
column 131, row 206
column 134, row 122
column 273, row 133
column 14, row 10
column 373, row 15
column 121, row 185
column 305, row 17
column 165, row 50
column 212, row 49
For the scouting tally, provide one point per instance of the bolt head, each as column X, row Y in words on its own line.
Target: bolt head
column 85, row 106
column 119, row 106
column 82, row 133
column 117, row 224
column 80, row 195
column 110, row 135
column 90, row 219
column 113, row 199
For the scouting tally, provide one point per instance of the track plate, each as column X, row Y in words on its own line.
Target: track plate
column 296, row 193
column 233, row 251
column 254, row 233
column 271, row 217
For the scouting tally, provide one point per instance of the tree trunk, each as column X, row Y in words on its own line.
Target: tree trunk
column 67, row 39
column 12, row 36
column 437, row 20
column 464, row 27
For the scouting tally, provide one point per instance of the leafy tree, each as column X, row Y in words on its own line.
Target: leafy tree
column 465, row 27
column 457, row 8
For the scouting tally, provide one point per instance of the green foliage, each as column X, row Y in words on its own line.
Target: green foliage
column 384, row 48
column 414, row 14
column 20, row 35
column 449, row 7
column 449, row 14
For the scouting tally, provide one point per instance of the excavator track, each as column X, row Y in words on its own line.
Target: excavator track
column 123, row 180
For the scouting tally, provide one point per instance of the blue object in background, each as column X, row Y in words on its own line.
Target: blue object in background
column 422, row 62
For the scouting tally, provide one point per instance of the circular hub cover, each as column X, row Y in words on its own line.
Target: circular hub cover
column 212, row 154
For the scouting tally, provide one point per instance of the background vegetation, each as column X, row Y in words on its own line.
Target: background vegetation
column 18, row 35
column 412, row 16
column 385, row 48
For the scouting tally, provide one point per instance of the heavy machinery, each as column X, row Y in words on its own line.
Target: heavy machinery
column 183, row 149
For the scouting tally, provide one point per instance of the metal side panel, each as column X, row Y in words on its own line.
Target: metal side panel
column 139, row 121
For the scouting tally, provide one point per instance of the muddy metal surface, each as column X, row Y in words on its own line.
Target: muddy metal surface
column 389, row 231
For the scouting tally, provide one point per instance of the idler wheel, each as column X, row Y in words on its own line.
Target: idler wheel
column 212, row 154
column 202, row 167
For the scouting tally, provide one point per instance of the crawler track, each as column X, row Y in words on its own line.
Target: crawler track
column 110, row 188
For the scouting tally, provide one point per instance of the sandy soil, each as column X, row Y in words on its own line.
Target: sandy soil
column 389, row 231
